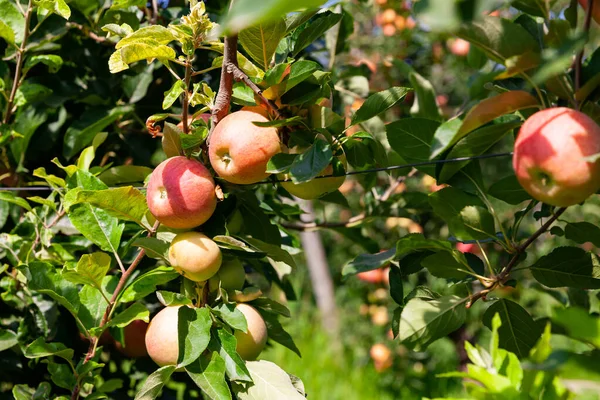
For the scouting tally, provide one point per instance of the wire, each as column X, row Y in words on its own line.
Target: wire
column 366, row 171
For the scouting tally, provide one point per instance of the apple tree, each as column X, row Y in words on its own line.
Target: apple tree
column 251, row 111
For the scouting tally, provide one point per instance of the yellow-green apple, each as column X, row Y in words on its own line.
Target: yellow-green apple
column 134, row 338
column 239, row 150
column 195, row 256
column 231, row 275
column 161, row 337
column 181, row 193
column 252, row 342
column 595, row 10
column 382, row 357
column 551, row 156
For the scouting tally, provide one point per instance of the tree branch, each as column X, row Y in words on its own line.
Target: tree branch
column 223, row 98
column 19, row 67
column 186, row 95
column 239, row 75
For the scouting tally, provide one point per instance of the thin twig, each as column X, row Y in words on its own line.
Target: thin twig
column 186, row 95
column 154, row 18
column 89, row 33
column 19, row 67
column 239, row 75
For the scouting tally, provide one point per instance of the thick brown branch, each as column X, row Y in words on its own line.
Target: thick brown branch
column 223, row 98
column 239, row 75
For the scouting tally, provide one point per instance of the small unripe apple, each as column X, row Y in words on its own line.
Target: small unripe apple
column 239, row 150
column 231, row 275
column 134, row 338
column 195, row 256
column 181, row 193
column 162, row 340
column 251, row 343
column 550, row 156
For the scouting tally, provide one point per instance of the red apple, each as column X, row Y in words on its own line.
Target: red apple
column 467, row 248
column 239, row 150
column 550, row 156
column 181, row 193
column 373, row 276
column 459, row 47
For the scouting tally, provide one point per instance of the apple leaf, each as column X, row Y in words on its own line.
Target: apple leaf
column 509, row 190
column 312, row 162
column 193, row 329
column 7, row 339
column 11, row 198
column 146, row 283
column 518, row 332
column 154, row 383
column 568, row 267
column 423, row 321
column 425, row 104
column 369, row 262
column 583, row 232
column 90, row 269
column 208, row 373
column 277, row 334
column 173, row 94
column 231, row 315
column 279, row 163
column 578, row 323
column 411, row 138
column 317, row 27
column 137, row 311
column 39, row 348
column 172, row 299
column 260, row 41
column 225, row 343
column 270, row 382
column 44, row 278
column 378, row 103
column 154, row 247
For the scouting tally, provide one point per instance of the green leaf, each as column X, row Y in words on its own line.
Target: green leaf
column 246, row 13
column 81, row 133
column 146, row 51
column 157, row 34
column 124, row 4
column 90, row 270
column 56, row 6
column 317, row 27
column 424, row 321
column 154, row 247
column 134, row 312
column 276, row 333
column 62, row 375
column 10, row 197
column 97, row 226
column 45, row 279
column 12, row 17
column 270, row 382
column 369, row 262
column 146, row 283
column 475, row 144
column 280, row 162
column 171, row 140
column 378, row 103
column 583, row 232
column 125, row 203
column 8, row 339
column 52, row 61
column 411, row 138
column 260, row 41
column 7, row 33
column 509, row 190
column 209, row 375
column 425, row 105
column 124, row 174
column 39, row 348
column 519, row 332
column 172, row 299
column 154, row 383
column 568, row 267
column 274, row 252
column 270, row 305
column 231, row 315
column 173, row 94
column 225, row 343
column 444, row 265
column 579, row 324
column 30, row 93
column 312, row 162
column 465, row 214
column 193, row 329
column 278, row 123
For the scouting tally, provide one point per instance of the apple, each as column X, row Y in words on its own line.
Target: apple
column 467, row 248
column 195, row 256
column 259, row 109
column 388, row 29
column 373, row 276
column 550, row 156
column 162, row 340
column 134, row 338
column 231, row 275
column 388, row 16
column 239, row 150
column 382, row 357
column 251, row 343
column 181, row 193
column 380, row 317
column 459, row 47
column 595, row 11
column 400, row 22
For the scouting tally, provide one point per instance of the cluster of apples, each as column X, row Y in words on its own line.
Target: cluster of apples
column 557, row 156
column 392, row 22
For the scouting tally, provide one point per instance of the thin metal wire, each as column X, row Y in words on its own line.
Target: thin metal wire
column 366, row 171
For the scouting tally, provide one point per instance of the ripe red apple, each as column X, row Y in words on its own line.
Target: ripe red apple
column 373, row 276
column 550, row 156
column 161, row 337
column 239, row 150
column 459, row 47
column 231, row 275
column 134, row 338
column 251, row 343
column 181, row 193
column 595, row 11
column 382, row 357
column 195, row 256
